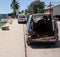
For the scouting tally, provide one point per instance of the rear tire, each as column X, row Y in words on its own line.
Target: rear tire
column 18, row 22
column 57, row 38
column 29, row 41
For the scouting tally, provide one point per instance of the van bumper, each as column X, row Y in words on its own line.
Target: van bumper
column 44, row 40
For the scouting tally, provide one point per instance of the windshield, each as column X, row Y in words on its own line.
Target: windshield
column 37, row 17
column 40, row 17
column 21, row 16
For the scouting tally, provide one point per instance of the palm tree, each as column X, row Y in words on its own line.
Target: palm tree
column 15, row 6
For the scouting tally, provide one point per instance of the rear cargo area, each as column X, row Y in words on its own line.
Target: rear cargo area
column 43, row 28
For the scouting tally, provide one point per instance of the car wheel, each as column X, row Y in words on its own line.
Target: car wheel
column 57, row 38
column 18, row 22
column 29, row 41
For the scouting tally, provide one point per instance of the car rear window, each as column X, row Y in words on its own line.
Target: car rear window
column 40, row 17
column 37, row 17
column 21, row 16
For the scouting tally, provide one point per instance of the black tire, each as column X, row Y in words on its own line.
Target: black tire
column 56, row 40
column 28, row 41
column 18, row 22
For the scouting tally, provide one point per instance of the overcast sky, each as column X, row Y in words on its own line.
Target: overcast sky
column 5, row 4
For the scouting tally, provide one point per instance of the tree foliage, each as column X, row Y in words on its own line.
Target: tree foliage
column 36, row 6
column 15, row 6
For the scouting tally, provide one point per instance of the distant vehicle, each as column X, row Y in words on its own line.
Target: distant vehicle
column 42, row 28
column 22, row 19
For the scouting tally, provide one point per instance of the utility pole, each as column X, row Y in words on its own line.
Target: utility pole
column 17, row 11
column 50, row 7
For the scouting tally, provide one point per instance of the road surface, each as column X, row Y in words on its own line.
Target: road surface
column 12, row 41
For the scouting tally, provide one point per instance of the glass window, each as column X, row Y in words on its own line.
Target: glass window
column 21, row 16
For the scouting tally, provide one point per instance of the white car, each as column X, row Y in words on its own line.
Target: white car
column 22, row 19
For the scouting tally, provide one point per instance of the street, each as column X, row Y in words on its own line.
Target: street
column 13, row 43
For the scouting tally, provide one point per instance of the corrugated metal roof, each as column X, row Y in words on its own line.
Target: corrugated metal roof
column 52, row 6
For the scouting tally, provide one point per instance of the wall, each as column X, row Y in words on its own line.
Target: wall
column 56, row 10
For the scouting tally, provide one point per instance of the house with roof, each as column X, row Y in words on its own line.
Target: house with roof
column 55, row 10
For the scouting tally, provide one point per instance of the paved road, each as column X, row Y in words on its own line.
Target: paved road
column 12, row 41
column 12, row 44
column 44, row 50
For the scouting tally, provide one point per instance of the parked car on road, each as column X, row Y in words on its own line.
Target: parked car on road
column 22, row 19
column 42, row 28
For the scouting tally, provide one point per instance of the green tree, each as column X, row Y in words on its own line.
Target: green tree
column 26, row 11
column 36, row 6
column 15, row 6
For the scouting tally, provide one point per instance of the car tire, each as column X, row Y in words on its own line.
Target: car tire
column 18, row 22
column 29, row 41
column 57, row 38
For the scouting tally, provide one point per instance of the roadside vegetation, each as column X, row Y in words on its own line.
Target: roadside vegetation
column 35, row 6
column 15, row 6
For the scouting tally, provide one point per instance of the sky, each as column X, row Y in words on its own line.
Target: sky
column 5, row 5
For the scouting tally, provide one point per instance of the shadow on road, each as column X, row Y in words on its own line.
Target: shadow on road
column 43, row 45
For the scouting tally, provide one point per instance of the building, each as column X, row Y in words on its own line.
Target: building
column 48, row 10
column 55, row 10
